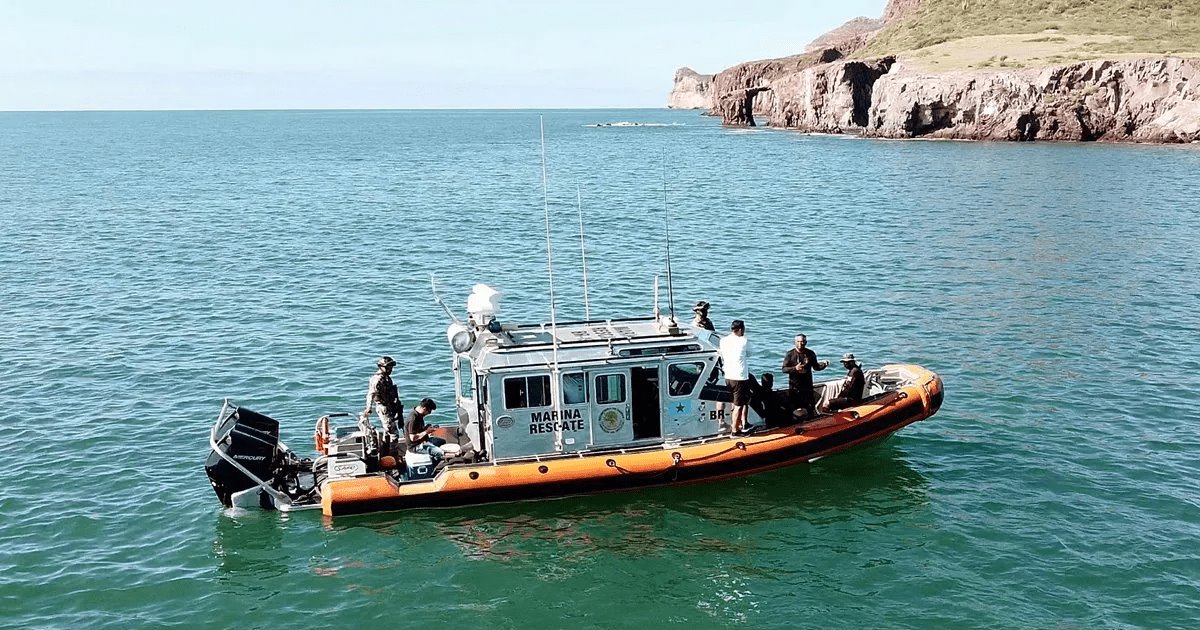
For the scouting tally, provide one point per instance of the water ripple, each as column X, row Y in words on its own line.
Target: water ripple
column 153, row 264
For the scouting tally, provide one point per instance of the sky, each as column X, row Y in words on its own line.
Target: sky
column 303, row 54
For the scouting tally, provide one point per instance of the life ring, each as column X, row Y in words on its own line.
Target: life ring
column 321, row 435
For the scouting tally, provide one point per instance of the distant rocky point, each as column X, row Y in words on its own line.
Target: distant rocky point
column 691, row 90
column 906, row 75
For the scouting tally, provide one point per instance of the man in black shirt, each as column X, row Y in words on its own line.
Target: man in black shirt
column 419, row 440
column 799, row 363
column 852, row 388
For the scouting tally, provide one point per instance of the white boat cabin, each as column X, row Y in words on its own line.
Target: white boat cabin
column 531, row 390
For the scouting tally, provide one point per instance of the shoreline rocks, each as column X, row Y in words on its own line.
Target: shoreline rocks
column 1144, row 100
column 1154, row 99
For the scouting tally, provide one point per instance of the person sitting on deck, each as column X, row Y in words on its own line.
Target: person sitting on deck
column 852, row 388
column 420, row 439
column 769, row 403
column 702, row 320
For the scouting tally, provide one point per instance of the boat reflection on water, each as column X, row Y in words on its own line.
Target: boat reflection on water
column 873, row 485
column 249, row 548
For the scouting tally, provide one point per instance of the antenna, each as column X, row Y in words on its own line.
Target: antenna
column 587, row 309
column 667, row 233
column 437, row 297
column 555, row 392
column 549, row 252
column 657, row 313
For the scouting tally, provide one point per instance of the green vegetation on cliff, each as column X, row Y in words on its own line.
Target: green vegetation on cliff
column 1016, row 33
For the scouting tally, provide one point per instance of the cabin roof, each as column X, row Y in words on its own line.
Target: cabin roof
column 587, row 342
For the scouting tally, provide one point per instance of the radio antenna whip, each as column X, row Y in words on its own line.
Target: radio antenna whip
column 437, row 297
column 587, row 309
column 555, row 389
column 667, row 234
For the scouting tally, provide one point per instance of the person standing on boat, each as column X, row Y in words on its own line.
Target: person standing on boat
column 419, row 433
column 852, row 387
column 702, row 320
column 382, row 393
column 734, row 349
column 799, row 364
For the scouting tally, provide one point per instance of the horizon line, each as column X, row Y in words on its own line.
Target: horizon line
column 316, row 109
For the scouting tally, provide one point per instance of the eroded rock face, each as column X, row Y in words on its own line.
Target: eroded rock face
column 1146, row 100
column 829, row 98
column 738, row 92
column 692, row 90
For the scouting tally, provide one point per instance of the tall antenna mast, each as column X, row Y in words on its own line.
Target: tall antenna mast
column 667, row 233
column 549, row 251
column 555, row 393
column 587, row 309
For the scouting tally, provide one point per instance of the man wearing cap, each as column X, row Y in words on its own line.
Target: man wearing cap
column 734, row 350
column 419, row 440
column 702, row 320
column 799, row 364
column 382, row 393
column 852, row 387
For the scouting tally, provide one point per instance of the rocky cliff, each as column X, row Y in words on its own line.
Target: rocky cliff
column 747, row 89
column 692, row 90
column 1155, row 98
column 1143, row 100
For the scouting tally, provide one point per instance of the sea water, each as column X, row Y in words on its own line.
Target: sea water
column 152, row 264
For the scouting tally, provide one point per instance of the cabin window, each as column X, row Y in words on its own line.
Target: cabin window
column 526, row 391
column 682, row 377
column 715, row 375
column 574, row 388
column 466, row 378
column 610, row 389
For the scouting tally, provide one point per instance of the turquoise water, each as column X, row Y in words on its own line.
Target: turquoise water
column 153, row 263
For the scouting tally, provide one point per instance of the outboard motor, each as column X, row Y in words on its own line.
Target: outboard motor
column 252, row 441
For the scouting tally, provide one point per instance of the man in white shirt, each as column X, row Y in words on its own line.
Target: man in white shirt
column 734, row 349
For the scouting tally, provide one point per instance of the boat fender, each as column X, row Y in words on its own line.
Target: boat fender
column 321, row 435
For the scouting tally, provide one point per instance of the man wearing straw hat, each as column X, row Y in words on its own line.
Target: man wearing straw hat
column 852, row 387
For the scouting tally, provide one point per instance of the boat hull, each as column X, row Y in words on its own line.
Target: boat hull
column 633, row 468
